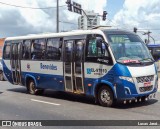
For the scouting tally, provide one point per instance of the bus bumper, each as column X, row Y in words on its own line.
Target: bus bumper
column 138, row 97
column 127, row 91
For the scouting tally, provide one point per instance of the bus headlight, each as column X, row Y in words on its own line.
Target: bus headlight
column 129, row 79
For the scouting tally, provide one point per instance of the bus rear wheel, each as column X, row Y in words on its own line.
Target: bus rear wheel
column 105, row 96
column 33, row 90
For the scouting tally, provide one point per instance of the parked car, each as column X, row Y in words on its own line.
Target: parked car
column 1, row 71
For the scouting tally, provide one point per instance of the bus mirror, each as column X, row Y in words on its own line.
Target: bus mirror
column 101, row 45
column 99, row 42
column 146, row 41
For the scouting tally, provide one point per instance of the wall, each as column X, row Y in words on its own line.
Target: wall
column 1, row 46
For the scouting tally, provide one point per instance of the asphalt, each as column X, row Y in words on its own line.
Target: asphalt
column 16, row 104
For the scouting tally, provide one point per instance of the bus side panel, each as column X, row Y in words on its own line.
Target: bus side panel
column 48, row 75
column 95, row 74
column 45, row 81
column 90, row 90
column 98, row 73
column 7, row 70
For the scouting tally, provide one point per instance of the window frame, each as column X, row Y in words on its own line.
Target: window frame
column 4, row 50
column 23, row 43
column 42, row 59
column 95, row 59
column 75, row 38
column 60, row 44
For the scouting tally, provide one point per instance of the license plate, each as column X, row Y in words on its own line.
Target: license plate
column 146, row 84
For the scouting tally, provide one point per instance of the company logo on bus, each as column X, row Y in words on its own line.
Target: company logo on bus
column 96, row 71
column 28, row 67
column 48, row 67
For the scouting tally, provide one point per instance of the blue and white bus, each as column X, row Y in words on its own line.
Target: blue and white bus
column 155, row 51
column 108, row 64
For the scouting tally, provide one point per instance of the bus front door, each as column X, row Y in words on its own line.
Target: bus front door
column 74, row 66
column 15, row 63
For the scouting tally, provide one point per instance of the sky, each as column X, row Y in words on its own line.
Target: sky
column 123, row 14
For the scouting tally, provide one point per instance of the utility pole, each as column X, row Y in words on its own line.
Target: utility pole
column 148, row 34
column 57, row 16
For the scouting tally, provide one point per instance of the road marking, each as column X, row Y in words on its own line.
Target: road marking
column 45, row 102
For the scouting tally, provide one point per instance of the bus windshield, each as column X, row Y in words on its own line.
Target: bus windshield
column 129, row 49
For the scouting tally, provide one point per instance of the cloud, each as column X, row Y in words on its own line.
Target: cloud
column 14, row 24
column 143, row 14
column 18, row 21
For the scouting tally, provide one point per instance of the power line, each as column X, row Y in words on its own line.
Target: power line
column 68, row 22
column 121, row 25
column 117, row 25
column 18, row 6
column 112, row 22
column 146, row 29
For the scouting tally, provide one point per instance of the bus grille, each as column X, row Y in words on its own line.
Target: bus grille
column 145, row 79
column 144, row 89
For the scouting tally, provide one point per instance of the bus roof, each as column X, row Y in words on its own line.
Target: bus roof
column 61, row 34
column 71, row 33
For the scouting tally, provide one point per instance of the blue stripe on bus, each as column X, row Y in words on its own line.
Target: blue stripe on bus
column 45, row 81
column 7, row 72
column 56, row 82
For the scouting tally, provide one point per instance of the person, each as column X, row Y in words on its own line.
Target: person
column 33, row 49
column 42, row 47
column 26, row 55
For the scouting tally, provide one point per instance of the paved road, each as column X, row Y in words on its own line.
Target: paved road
column 16, row 104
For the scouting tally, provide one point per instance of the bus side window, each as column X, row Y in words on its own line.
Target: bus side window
column 7, row 49
column 26, row 49
column 38, row 49
column 53, row 51
column 97, row 49
column 94, row 50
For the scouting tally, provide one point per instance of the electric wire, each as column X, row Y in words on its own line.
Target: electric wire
column 18, row 6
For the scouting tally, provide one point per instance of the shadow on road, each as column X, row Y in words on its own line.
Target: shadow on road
column 60, row 95
column 85, row 99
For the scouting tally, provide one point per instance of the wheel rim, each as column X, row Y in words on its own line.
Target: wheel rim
column 105, row 96
column 32, row 88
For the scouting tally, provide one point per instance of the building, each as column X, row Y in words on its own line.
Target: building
column 1, row 46
column 85, row 23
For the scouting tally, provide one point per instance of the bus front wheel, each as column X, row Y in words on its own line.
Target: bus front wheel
column 105, row 96
column 33, row 90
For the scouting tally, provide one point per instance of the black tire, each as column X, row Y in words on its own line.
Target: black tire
column 39, row 91
column 105, row 96
column 1, row 76
column 32, row 89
